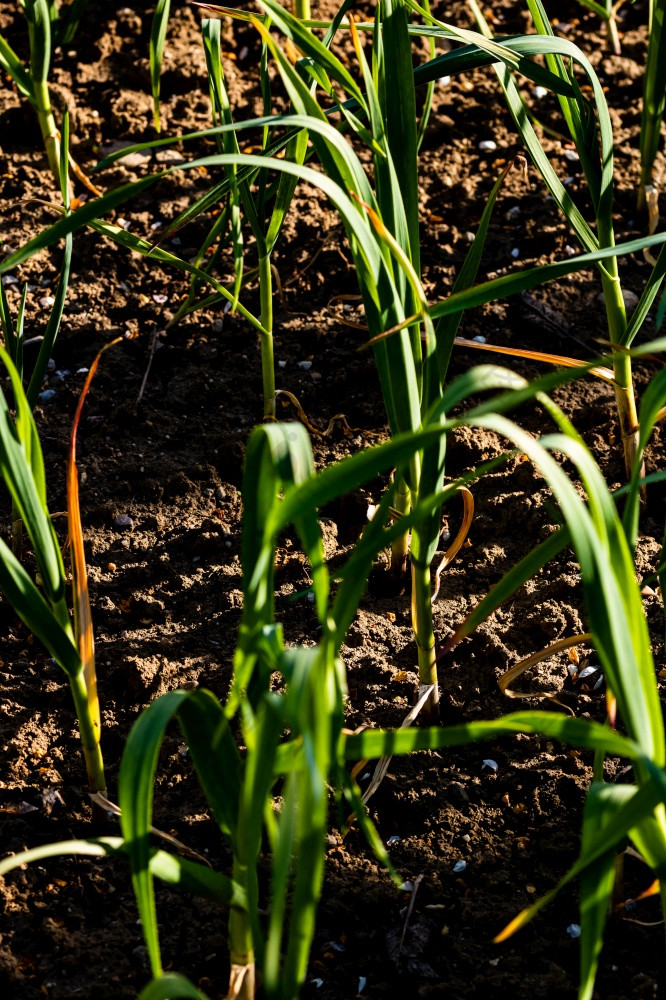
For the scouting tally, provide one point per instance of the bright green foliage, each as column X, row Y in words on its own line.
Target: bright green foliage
column 42, row 608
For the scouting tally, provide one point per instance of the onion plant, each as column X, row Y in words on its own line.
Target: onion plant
column 606, row 11
column 32, row 81
column 654, row 96
column 411, row 349
column 590, row 129
column 42, row 605
column 275, row 792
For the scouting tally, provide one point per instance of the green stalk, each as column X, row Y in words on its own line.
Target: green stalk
column 302, row 10
column 240, row 943
column 624, row 387
column 90, row 734
column 422, row 625
column 266, row 336
column 50, row 133
column 39, row 29
column 400, row 547
column 654, row 96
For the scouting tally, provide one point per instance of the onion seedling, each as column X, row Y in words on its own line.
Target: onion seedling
column 292, row 732
column 592, row 136
column 43, row 606
column 654, row 97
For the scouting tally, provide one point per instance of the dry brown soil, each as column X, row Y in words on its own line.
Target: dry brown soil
column 166, row 592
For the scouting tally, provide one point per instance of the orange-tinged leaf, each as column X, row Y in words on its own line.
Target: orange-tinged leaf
column 514, row 925
column 81, row 598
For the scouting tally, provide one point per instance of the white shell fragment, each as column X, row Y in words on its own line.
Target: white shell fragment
column 479, row 339
column 317, row 982
column 445, row 80
column 46, row 301
column 362, row 980
column 573, row 930
column 305, row 365
column 460, row 866
column 539, row 93
column 160, row 298
column 407, row 887
column 393, row 840
column 587, row 672
column 515, row 253
column 487, row 145
column 9, row 279
column 571, row 155
column 492, row 765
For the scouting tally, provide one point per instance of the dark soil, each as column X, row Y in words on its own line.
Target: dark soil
column 166, row 586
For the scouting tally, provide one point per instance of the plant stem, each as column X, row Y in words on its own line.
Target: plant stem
column 422, row 627
column 242, row 975
column 400, row 548
column 302, row 9
column 611, row 28
column 624, row 386
column 267, row 360
column 89, row 735
column 50, row 133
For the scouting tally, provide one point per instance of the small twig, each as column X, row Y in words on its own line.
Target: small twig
column 417, row 883
column 153, row 347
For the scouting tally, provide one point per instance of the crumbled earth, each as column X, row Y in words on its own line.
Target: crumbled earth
column 161, row 449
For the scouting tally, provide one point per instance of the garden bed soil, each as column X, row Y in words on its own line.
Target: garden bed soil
column 161, row 455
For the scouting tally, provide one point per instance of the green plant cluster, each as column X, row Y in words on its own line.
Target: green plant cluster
column 268, row 758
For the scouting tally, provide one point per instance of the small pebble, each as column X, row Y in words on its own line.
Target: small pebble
column 512, row 214
column 460, row 866
column 123, row 522
column 362, row 980
column 123, row 223
column 160, row 298
column 156, row 225
column 569, row 251
column 317, row 982
column 217, row 325
column 305, row 365
column 539, row 93
column 487, row 145
column 445, row 80
column 515, row 253
column 573, row 930
column 407, row 887
column 123, row 286
column 479, row 339
column 47, row 395
column 571, row 155
column 46, row 301
column 9, row 279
